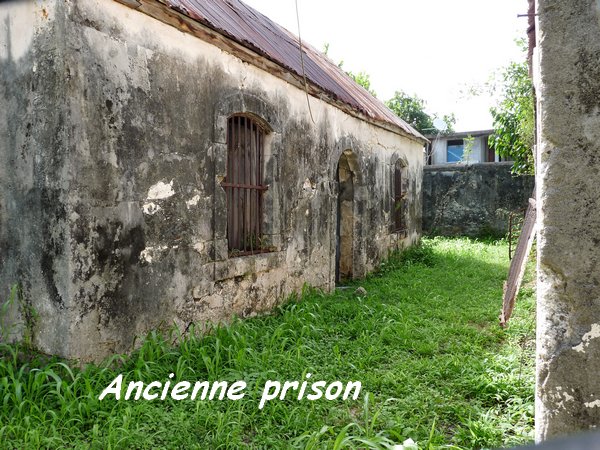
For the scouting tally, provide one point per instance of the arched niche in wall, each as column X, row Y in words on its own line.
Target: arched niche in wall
column 349, row 206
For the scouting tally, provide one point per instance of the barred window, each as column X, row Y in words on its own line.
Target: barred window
column 244, row 185
column 399, row 212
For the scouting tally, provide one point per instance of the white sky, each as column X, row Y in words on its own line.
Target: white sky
column 435, row 49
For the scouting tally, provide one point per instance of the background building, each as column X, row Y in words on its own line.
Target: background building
column 467, row 147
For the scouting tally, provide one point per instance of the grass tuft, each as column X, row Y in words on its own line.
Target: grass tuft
column 424, row 341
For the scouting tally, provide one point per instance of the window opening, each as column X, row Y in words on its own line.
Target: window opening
column 399, row 198
column 244, row 186
column 455, row 151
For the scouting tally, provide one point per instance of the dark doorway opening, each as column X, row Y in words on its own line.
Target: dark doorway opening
column 344, row 260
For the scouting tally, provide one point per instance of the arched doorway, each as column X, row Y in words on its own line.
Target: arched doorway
column 344, row 261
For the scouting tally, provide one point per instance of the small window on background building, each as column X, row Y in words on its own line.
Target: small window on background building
column 455, row 151
column 244, row 185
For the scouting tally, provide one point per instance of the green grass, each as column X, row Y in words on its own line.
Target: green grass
column 424, row 341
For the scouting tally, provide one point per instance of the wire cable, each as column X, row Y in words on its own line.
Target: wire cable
column 302, row 63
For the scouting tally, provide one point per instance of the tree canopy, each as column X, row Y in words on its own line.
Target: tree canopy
column 412, row 110
column 363, row 79
column 514, row 118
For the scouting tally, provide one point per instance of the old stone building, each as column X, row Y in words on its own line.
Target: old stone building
column 170, row 162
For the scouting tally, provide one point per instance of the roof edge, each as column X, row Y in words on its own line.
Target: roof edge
column 160, row 11
column 458, row 134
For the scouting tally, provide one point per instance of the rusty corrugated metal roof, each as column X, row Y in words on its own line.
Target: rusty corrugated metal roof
column 250, row 28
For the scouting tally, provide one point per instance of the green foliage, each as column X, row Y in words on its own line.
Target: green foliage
column 422, row 254
column 514, row 118
column 364, row 80
column 469, row 142
column 361, row 78
column 425, row 343
column 411, row 109
column 5, row 310
column 17, row 317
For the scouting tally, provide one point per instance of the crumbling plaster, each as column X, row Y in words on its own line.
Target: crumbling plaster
column 124, row 153
column 567, row 80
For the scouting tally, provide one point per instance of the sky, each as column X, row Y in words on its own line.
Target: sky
column 435, row 49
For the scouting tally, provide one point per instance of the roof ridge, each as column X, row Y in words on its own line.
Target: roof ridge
column 254, row 30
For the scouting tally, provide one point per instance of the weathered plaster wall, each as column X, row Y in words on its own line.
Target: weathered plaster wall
column 34, row 147
column 472, row 200
column 568, row 156
column 138, row 222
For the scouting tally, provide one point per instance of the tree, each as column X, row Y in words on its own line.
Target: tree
column 411, row 109
column 514, row 118
column 363, row 79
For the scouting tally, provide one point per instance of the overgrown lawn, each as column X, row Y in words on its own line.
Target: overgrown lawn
column 424, row 341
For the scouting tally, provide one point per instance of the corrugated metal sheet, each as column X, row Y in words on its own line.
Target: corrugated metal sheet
column 250, row 28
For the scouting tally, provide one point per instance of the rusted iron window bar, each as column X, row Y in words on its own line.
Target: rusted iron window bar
column 398, row 212
column 244, row 186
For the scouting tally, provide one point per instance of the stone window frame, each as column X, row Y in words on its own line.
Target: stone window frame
column 404, row 188
column 255, row 107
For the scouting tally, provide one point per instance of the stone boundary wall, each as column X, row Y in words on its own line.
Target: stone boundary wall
column 472, row 200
